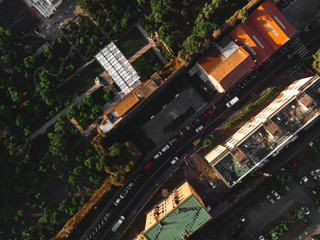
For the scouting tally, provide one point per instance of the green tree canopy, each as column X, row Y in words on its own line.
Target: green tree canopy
column 29, row 62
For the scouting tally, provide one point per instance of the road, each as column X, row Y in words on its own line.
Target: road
column 267, row 77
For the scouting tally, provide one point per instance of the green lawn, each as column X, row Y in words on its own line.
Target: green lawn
column 82, row 81
column 34, row 42
column 131, row 42
column 147, row 64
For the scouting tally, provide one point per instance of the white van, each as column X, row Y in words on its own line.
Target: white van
column 232, row 101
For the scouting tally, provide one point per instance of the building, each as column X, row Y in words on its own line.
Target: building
column 267, row 133
column 123, row 103
column 17, row 16
column 245, row 48
column 265, row 31
column 223, row 65
column 176, row 217
column 46, row 7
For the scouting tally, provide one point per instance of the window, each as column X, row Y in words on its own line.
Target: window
column 284, row 27
column 256, row 39
column 250, row 49
column 272, row 30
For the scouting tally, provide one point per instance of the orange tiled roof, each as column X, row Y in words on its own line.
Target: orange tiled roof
column 210, row 60
column 271, row 24
column 233, row 68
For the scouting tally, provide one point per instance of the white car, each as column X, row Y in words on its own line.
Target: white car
column 303, row 180
column 211, row 184
column 116, row 203
column 275, row 237
column 262, row 237
column 165, row 148
column 157, row 155
column 270, row 199
column 276, row 195
column 315, row 172
column 130, row 185
column 198, row 129
column 173, row 161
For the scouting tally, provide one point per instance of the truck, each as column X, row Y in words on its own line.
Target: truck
column 117, row 224
column 232, row 101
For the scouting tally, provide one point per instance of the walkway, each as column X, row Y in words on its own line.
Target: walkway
column 151, row 44
column 64, row 112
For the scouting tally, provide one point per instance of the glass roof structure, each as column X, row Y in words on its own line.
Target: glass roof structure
column 118, row 67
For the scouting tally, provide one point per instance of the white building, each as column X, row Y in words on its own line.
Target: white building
column 46, row 7
column 268, row 132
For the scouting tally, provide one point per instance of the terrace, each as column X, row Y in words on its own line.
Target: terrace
column 230, row 169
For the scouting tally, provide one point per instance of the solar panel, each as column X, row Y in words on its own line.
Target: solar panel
column 118, row 67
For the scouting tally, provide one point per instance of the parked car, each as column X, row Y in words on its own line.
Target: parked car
column 303, row 180
column 242, row 219
column 172, row 141
column 315, row 172
column 189, row 126
column 262, row 237
column 232, row 101
column 287, row 187
column 198, row 129
column 276, row 195
column 211, row 184
column 309, row 74
column 116, row 203
column 174, row 160
column 123, row 193
column 196, row 121
column 165, row 148
column 305, row 210
column 208, row 112
column 130, row 185
column 183, row 131
column 270, row 199
column 157, row 155
column 147, row 166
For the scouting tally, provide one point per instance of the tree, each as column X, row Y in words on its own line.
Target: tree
column 15, row 96
column 20, row 120
column 29, row 62
column 204, row 28
column 114, row 150
column 242, row 15
column 207, row 142
column 229, row 124
column 316, row 61
column 191, row 44
column 48, row 51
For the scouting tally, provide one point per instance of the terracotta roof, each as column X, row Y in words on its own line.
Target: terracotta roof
column 271, row 24
column 233, row 68
column 248, row 37
column 210, row 60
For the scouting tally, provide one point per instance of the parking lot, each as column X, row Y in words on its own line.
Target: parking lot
column 154, row 128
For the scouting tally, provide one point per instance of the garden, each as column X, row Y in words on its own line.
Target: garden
column 147, row 64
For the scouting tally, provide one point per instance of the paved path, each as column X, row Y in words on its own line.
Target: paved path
column 40, row 49
column 150, row 44
column 64, row 112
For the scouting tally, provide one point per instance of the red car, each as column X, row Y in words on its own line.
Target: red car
column 208, row 112
column 147, row 166
column 182, row 132
column 309, row 74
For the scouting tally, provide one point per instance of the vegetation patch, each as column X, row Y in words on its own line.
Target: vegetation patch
column 131, row 42
column 147, row 64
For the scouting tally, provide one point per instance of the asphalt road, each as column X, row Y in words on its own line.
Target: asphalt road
column 267, row 77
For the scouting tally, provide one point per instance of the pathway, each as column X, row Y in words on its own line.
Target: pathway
column 151, row 44
column 64, row 112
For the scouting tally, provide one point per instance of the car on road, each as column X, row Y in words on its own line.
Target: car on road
column 315, row 172
column 242, row 219
column 183, row 131
column 124, row 193
column 207, row 113
column 270, row 199
column 293, row 163
column 211, row 184
column 196, row 121
column 275, row 194
column 275, row 237
column 106, row 216
column 232, row 101
column 174, row 160
column 309, row 74
column 189, row 126
column 262, row 237
column 165, row 148
column 147, row 166
column 303, row 180
column 196, row 142
column 198, row 129
column 157, row 155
